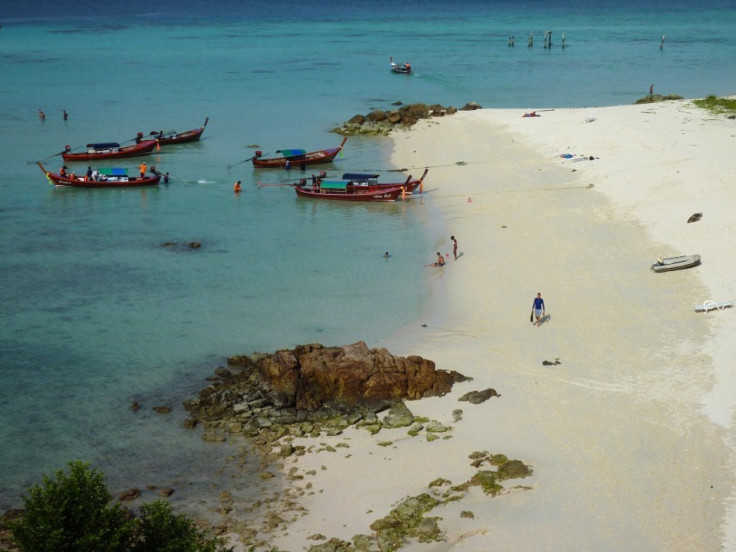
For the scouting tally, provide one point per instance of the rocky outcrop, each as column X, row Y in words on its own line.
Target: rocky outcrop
column 379, row 122
column 312, row 383
column 655, row 98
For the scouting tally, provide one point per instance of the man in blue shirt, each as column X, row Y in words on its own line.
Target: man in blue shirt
column 538, row 307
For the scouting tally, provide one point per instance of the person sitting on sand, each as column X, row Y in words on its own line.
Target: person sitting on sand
column 440, row 260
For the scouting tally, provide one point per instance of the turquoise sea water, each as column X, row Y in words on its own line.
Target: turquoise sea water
column 97, row 314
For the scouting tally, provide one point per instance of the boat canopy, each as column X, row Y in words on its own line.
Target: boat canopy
column 334, row 185
column 115, row 171
column 104, row 145
column 360, row 177
column 293, row 152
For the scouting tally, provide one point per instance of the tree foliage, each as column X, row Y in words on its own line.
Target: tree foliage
column 74, row 512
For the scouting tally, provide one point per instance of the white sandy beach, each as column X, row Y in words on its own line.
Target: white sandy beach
column 631, row 435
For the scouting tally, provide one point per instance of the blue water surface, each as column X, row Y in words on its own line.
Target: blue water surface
column 98, row 313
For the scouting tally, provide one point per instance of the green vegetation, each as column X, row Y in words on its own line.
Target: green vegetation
column 718, row 106
column 74, row 512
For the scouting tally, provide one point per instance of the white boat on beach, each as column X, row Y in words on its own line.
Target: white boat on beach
column 675, row 263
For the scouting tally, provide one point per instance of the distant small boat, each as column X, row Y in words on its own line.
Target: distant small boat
column 102, row 178
column 297, row 157
column 403, row 68
column 109, row 150
column 676, row 263
column 169, row 137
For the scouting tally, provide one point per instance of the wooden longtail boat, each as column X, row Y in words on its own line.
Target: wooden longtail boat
column 109, row 150
column 369, row 179
column 102, row 178
column 297, row 157
column 342, row 190
column 403, row 68
column 676, row 263
column 169, row 137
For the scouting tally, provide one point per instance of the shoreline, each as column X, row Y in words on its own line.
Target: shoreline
column 624, row 448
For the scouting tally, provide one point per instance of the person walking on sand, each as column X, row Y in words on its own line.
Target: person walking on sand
column 454, row 246
column 538, row 308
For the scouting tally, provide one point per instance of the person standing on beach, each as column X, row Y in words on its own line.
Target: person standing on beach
column 454, row 246
column 538, row 308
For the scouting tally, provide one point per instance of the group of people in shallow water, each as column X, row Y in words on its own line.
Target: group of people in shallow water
column 42, row 115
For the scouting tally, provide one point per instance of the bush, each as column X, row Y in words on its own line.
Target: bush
column 160, row 530
column 75, row 513
column 72, row 513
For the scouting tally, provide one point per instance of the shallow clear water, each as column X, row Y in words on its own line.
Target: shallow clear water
column 96, row 313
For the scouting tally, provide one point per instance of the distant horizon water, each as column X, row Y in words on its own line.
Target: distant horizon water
column 97, row 313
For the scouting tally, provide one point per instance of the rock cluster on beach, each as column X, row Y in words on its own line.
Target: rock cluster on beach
column 303, row 390
column 312, row 391
column 654, row 98
column 380, row 122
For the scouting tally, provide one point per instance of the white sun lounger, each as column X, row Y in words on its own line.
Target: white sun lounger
column 710, row 305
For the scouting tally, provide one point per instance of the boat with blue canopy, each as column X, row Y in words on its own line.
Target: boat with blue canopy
column 296, row 157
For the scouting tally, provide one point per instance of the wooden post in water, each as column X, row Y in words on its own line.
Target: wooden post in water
column 563, row 41
column 547, row 40
column 661, row 44
column 530, row 42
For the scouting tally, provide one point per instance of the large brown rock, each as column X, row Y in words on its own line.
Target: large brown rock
column 353, row 375
column 315, row 382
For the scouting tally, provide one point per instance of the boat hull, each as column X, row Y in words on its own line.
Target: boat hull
column 143, row 148
column 375, row 195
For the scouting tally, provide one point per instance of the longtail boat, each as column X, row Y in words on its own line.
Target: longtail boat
column 371, row 179
column 166, row 138
column 343, row 190
column 109, row 150
column 102, row 178
column 297, row 157
column 403, row 68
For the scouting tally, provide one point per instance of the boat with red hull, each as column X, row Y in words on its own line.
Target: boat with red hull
column 327, row 190
column 167, row 138
column 357, row 187
column 109, row 150
column 296, row 157
column 102, row 178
